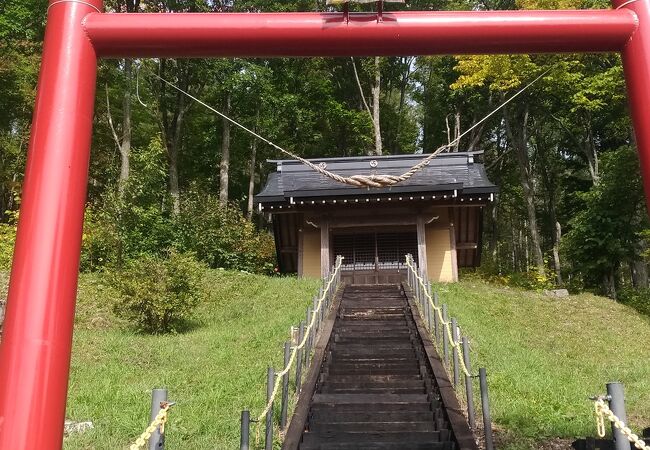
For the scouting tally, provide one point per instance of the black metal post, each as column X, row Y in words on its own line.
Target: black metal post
column 617, row 405
column 436, row 325
column 245, row 430
column 321, row 312
column 268, row 438
column 285, row 387
column 485, row 406
column 469, row 389
column 445, row 336
column 310, row 339
column 430, row 311
column 157, row 440
column 316, row 324
column 454, row 351
column 301, row 331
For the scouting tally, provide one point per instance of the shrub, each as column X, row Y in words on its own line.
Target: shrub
column 531, row 279
column 158, row 295
column 222, row 237
column 637, row 298
column 101, row 243
column 7, row 240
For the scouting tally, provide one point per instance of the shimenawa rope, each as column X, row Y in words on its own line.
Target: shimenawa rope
column 367, row 181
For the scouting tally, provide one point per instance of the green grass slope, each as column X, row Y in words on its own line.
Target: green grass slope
column 545, row 357
column 213, row 371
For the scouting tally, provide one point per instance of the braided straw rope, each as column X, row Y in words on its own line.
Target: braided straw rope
column 446, row 324
column 367, row 181
column 602, row 412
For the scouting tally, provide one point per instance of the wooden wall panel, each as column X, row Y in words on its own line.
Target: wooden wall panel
column 311, row 252
column 439, row 257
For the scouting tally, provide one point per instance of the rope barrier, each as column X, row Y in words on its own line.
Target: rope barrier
column 367, row 181
column 446, row 324
column 160, row 420
column 294, row 349
column 603, row 412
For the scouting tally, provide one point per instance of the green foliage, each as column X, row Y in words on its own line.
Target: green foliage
column 222, row 237
column 158, row 295
column 605, row 233
column 217, row 236
column 7, row 240
column 530, row 279
column 637, row 298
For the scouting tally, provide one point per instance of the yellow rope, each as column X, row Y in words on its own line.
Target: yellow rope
column 446, row 324
column 160, row 420
column 294, row 349
column 603, row 412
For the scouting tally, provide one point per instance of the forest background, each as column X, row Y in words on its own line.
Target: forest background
column 166, row 173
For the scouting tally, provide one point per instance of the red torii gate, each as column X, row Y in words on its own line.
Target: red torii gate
column 35, row 350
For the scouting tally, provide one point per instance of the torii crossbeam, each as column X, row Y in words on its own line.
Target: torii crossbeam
column 37, row 340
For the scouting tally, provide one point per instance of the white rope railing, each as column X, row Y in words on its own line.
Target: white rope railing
column 329, row 290
column 413, row 278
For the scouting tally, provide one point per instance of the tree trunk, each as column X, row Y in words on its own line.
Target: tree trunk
column 251, row 175
column 639, row 270
column 638, row 267
column 609, row 283
column 494, row 230
column 224, row 165
column 174, row 190
column 557, row 233
column 519, row 141
column 556, row 253
column 402, row 98
column 125, row 145
column 591, row 153
column 171, row 126
column 376, row 88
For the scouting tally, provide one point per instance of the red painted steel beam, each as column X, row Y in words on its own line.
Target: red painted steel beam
column 636, row 65
column 328, row 34
column 37, row 338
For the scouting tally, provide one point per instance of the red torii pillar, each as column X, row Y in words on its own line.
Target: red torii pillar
column 35, row 350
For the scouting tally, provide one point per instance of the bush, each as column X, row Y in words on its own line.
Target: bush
column 118, row 231
column 636, row 298
column 158, row 295
column 531, row 280
column 7, row 240
column 222, row 237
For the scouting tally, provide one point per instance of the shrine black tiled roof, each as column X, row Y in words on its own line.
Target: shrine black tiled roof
column 447, row 172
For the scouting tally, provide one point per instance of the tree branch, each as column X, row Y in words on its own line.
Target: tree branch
column 356, row 76
column 118, row 144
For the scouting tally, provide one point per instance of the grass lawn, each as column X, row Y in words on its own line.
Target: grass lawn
column 213, row 371
column 545, row 356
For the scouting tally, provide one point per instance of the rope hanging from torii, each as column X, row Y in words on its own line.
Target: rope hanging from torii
column 367, row 181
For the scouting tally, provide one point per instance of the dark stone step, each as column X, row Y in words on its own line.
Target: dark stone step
column 367, row 436
column 370, row 371
column 368, row 399
column 379, row 446
column 389, row 383
column 378, row 407
column 369, row 378
column 352, row 426
column 373, row 390
column 379, row 346
column 371, row 416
